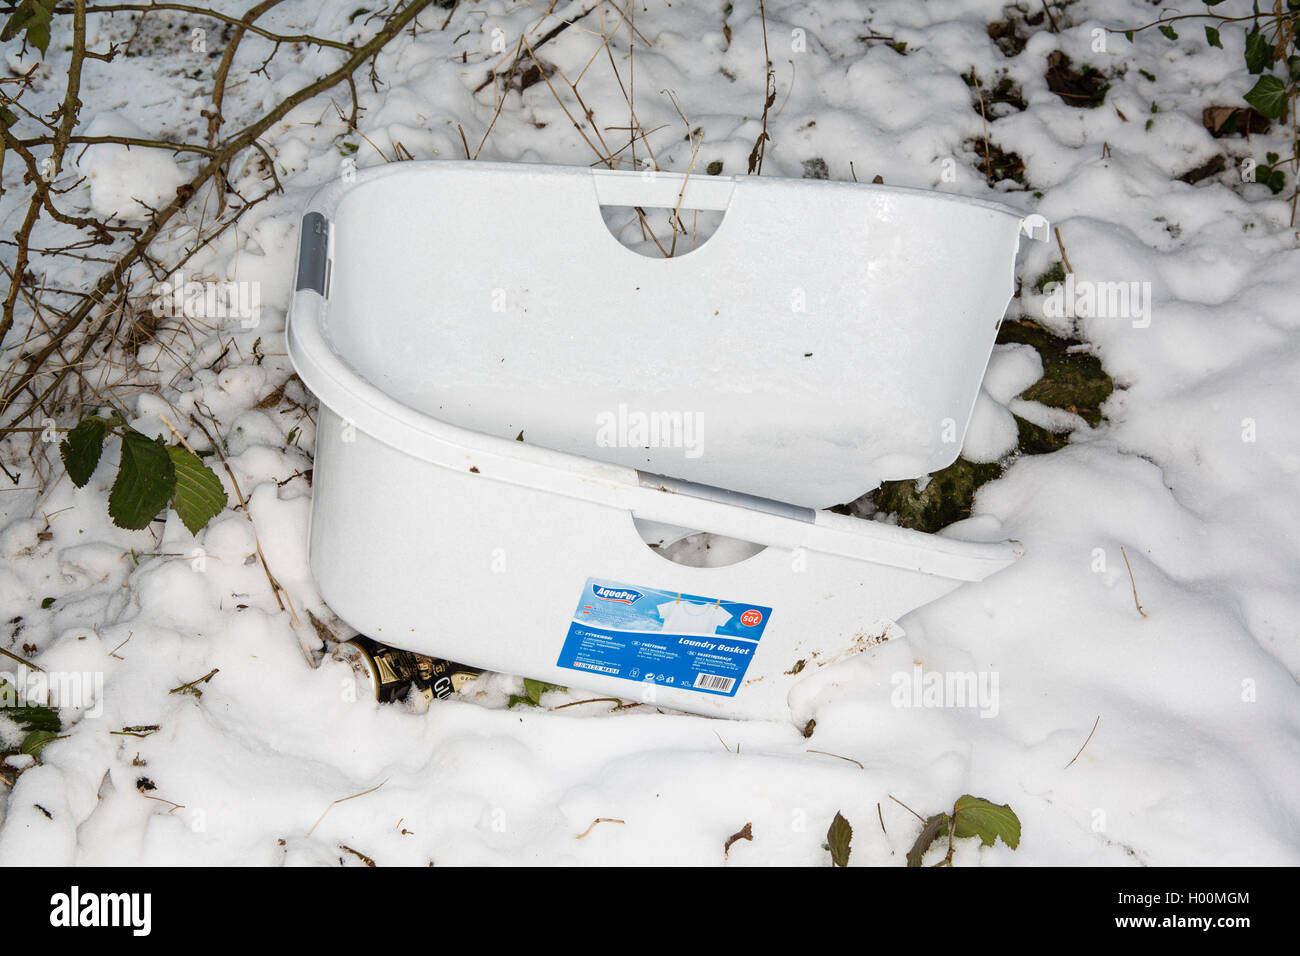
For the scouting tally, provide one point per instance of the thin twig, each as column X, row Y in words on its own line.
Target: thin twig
column 344, row 800
column 276, row 587
column 1061, row 245
column 1136, row 603
column 827, row 753
column 988, row 155
column 194, row 683
column 905, row 807
column 14, row 657
column 593, row 825
column 1085, row 743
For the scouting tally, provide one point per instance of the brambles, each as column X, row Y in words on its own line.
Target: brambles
column 970, row 817
column 839, row 839
column 32, row 19
column 150, row 474
column 533, row 691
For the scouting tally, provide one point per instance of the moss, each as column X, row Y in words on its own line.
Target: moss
column 1037, row 440
column 947, row 497
column 1054, row 274
column 1072, row 380
column 995, row 162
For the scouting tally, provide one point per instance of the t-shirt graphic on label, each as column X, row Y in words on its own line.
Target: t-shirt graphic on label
column 684, row 617
column 649, row 635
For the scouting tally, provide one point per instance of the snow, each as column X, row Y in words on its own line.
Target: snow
column 1182, row 501
column 126, row 182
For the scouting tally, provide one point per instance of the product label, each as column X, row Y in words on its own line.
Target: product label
column 668, row 638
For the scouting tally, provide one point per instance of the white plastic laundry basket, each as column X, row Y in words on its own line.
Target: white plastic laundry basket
column 492, row 364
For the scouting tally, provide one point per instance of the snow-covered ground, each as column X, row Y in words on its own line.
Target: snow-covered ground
column 1194, row 473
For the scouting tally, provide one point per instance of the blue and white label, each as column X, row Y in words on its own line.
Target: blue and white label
column 667, row 638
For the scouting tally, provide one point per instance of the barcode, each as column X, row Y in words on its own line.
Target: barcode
column 714, row 682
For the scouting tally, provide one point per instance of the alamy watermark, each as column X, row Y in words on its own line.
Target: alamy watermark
column 963, row 689
column 27, row 686
column 130, row 910
column 208, row 300
column 630, row 428
column 1082, row 298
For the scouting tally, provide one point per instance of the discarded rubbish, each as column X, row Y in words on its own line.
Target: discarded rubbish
column 507, row 421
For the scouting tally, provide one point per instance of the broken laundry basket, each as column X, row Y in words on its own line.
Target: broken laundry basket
column 512, row 402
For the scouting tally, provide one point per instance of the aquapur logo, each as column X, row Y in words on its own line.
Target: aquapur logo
column 621, row 595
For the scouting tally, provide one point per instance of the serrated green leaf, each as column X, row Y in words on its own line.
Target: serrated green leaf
column 976, row 816
column 38, row 35
column 199, row 495
column 934, row 827
column 1259, row 52
column 1268, row 96
column 1168, row 31
column 144, row 484
column 1212, row 37
column 82, row 448
column 840, row 838
column 35, row 742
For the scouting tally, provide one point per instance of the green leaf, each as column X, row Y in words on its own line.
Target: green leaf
column 82, row 448
column 35, row 742
column 935, row 826
column 976, row 816
column 27, row 716
column 1259, row 52
column 1212, row 37
column 144, row 484
column 1168, row 31
column 199, row 495
column 32, row 16
column 47, row 603
column 1274, row 179
column 38, row 35
column 838, row 838
column 1128, row 35
column 15, row 24
column 1268, row 96
column 534, row 689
